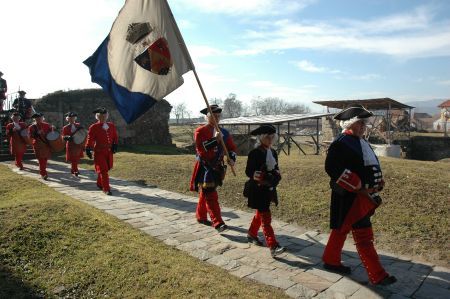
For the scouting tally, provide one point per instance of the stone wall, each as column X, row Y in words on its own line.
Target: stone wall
column 428, row 148
column 150, row 128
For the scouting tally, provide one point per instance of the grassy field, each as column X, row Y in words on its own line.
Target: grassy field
column 55, row 246
column 413, row 219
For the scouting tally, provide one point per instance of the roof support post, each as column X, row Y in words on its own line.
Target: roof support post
column 289, row 138
column 317, row 136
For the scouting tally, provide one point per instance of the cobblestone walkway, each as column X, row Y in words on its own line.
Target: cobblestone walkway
column 169, row 217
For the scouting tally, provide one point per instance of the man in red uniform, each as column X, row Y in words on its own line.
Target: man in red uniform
column 38, row 133
column 73, row 151
column 17, row 145
column 102, row 139
column 356, row 180
column 209, row 169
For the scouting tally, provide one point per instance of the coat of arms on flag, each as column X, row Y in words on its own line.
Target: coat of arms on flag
column 143, row 58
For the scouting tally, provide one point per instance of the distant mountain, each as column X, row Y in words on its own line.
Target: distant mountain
column 429, row 106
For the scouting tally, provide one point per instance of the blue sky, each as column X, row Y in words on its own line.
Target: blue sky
column 297, row 50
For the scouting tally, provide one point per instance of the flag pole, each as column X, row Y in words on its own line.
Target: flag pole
column 188, row 58
column 214, row 121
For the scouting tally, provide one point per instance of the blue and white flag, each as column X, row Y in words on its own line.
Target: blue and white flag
column 143, row 58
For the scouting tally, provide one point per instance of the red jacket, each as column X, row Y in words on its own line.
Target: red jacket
column 101, row 141
column 73, row 151
column 38, row 133
column 212, row 155
column 16, row 142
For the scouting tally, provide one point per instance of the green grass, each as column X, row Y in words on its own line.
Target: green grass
column 413, row 219
column 54, row 246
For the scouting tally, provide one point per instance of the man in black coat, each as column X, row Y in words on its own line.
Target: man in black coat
column 260, row 189
column 356, row 179
column 23, row 106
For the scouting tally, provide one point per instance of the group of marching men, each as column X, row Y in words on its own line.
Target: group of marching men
column 100, row 144
column 355, row 177
column 355, row 180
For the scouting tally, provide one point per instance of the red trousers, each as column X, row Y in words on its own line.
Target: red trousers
column 103, row 181
column 208, row 202
column 18, row 158
column 263, row 219
column 74, row 164
column 364, row 244
column 43, row 166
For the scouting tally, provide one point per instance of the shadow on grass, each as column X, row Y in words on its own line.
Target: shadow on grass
column 303, row 251
column 13, row 287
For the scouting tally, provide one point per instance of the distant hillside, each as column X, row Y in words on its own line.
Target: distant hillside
column 429, row 106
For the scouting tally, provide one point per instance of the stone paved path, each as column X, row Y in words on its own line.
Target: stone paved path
column 169, row 217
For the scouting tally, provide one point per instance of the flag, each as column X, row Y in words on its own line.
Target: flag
column 142, row 59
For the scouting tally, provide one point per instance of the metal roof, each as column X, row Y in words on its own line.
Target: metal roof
column 445, row 104
column 270, row 119
column 371, row 104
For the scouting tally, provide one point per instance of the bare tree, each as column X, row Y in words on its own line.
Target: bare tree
column 179, row 111
column 232, row 107
column 275, row 106
column 297, row 109
column 216, row 101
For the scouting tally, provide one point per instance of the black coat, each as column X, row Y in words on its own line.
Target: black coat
column 260, row 196
column 346, row 153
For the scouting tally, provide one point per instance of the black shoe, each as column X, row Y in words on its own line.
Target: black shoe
column 277, row 250
column 387, row 280
column 76, row 173
column 221, row 227
column 254, row 241
column 204, row 222
column 341, row 269
column 107, row 192
column 45, row 177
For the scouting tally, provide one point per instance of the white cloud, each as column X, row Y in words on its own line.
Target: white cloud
column 247, row 7
column 308, row 66
column 200, row 51
column 404, row 36
column 444, row 82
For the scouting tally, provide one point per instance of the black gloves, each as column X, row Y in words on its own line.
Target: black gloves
column 114, row 148
column 89, row 152
column 68, row 138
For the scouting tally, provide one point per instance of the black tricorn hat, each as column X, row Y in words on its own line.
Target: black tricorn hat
column 214, row 108
column 353, row 111
column 37, row 114
column 264, row 129
column 101, row 110
column 70, row 114
column 22, row 92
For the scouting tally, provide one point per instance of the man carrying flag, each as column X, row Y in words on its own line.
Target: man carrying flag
column 143, row 58
column 209, row 169
column 102, row 139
